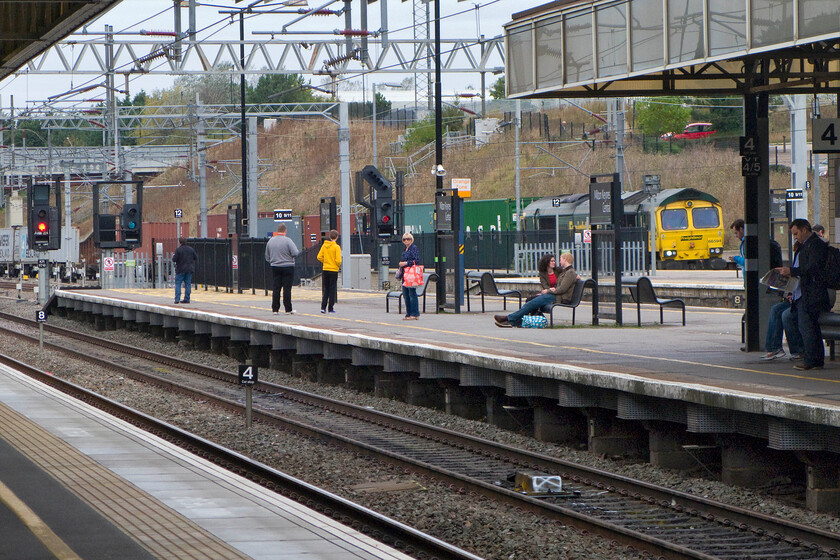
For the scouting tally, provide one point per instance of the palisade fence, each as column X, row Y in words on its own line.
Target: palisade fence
column 499, row 252
column 142, row 271
column 633, row 254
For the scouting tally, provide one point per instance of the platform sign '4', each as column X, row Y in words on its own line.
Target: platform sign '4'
column 825, row 136
column 247, row 374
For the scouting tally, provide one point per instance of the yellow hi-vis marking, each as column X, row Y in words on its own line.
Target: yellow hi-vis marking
column 34, row 523
column 461, row 249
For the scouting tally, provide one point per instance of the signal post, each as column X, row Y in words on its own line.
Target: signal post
column 382, row 204
column 107, row 234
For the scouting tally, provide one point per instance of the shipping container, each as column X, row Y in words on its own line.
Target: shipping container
column 216, row 226
column 14, row 247
column 479, row 215
column 161, row 232
column 312, row 229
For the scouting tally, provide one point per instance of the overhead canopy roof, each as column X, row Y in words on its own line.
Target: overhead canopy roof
column 632, row 48
column 28, row 28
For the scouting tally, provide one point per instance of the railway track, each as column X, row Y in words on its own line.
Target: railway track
column 395, row 534
column 663, row 522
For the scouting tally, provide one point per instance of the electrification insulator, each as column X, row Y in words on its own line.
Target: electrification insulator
column 158, row 33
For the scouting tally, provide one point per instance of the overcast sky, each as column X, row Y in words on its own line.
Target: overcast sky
column 480, row 16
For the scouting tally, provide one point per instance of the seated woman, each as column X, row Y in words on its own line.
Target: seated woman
column 557, row 283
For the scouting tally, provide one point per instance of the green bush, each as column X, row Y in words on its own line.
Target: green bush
column 423, row 132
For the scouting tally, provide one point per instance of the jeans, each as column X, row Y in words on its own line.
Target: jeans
column 412, row 303
column 539, row 302
column 186, row 278
column 775, row 327
column 809, row 328
column 284, row 276
column 329, row 289
column 794, row 337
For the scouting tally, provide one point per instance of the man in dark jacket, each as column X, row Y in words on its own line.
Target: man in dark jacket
column 184, row 259
column 811, row 295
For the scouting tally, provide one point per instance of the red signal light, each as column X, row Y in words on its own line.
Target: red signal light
column 42, row 227
column 386, row 219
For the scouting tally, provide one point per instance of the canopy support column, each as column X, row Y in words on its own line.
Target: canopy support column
column 757, row 220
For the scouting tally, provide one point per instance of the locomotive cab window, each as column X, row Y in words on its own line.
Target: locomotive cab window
column 676, row 218
column 705, row 217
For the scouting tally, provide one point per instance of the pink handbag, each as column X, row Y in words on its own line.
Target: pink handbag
column 413, row 276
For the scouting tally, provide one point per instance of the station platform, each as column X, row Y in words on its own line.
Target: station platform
column 694, row 377
column 78, row 484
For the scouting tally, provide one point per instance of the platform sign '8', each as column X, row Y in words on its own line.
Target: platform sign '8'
column 247, row 374
column 41, row 316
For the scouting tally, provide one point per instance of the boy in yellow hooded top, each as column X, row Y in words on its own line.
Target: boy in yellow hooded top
column 330, row 257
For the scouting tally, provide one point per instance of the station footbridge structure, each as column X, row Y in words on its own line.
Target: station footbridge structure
column 646, row 48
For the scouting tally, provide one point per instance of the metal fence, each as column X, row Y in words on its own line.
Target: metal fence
column 214, row 266
column 138, row 272
column 633, row 254
column 493, row 251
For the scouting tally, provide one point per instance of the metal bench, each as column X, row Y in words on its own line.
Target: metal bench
column 421, row 292
column 641, row 290
column 487, row 287
column 577, row 295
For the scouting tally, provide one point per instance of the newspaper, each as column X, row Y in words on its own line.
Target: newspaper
column 775, row 281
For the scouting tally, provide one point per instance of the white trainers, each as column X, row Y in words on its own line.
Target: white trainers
column 780, row 353
column 292, row 312
column 794, row 357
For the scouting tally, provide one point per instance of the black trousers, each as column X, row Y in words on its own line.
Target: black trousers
column 284, row 276
column 329, row 289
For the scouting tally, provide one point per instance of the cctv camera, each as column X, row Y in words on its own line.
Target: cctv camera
column 439, row 171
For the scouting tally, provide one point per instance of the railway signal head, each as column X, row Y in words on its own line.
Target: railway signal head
column 383, row 201
column 43, row 219
column 131, row 224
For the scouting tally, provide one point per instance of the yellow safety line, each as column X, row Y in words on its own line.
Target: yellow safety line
column 34, row 523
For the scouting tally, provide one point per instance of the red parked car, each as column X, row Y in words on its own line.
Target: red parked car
column 692, row 130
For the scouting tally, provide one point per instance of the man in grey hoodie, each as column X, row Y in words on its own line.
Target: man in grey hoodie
column 280, row 252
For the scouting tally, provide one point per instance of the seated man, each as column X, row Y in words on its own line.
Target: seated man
column 557, row 287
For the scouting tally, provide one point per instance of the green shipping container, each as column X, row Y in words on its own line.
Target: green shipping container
column 487, row 215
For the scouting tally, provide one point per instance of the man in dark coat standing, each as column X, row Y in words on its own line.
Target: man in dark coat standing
column 184, row 258
column 810, row 297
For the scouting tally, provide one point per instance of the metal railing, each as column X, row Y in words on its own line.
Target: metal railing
column 492, row 251
column 633, row 253
column 139, row 271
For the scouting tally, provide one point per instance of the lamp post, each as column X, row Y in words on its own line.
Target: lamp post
column 373, row 105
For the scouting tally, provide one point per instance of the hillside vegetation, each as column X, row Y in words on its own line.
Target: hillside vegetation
column 299, row 165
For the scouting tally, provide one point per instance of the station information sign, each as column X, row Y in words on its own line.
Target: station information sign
column 248, row 375
column 443, row 212
column 825, row 136
column 778, row 206
column 793, row 195
column 750, row 161
column 600, row 203
column 283, row 215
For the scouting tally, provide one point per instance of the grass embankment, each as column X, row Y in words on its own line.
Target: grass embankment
column 299, row 164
